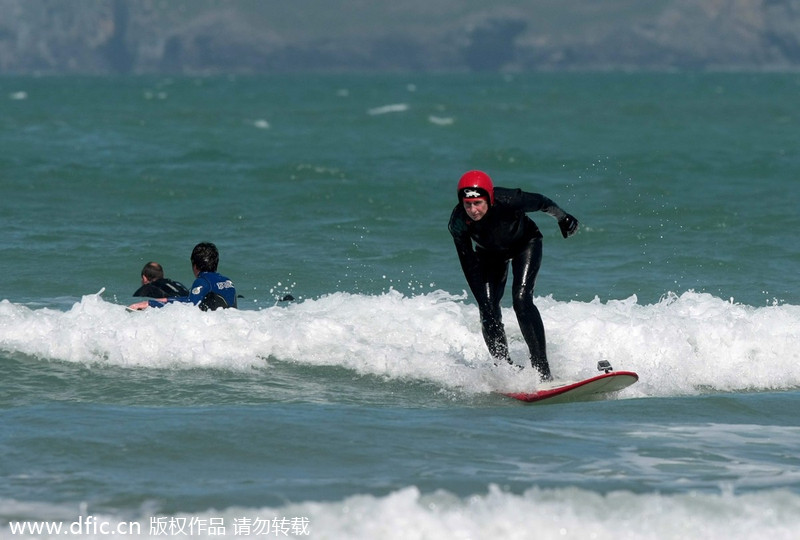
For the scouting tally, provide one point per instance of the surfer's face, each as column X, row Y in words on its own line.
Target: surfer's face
column 476, row 208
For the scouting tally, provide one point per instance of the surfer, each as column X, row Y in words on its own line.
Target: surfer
column 155, row 285
column 490, row 229
column 210, row 289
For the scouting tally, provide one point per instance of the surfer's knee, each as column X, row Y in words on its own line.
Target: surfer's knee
column 524, row 306
column 490, row 314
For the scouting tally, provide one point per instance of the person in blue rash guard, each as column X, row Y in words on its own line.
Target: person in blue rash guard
column 490, row 229
column 210, row 290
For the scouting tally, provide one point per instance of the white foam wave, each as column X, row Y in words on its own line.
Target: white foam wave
column 386, row 109
column 685, row 344
column 441, row 120
column 407, row 513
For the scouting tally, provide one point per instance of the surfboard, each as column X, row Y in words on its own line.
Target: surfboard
column 593, row 388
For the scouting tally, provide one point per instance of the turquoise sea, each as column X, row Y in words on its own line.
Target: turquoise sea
column 368, row 407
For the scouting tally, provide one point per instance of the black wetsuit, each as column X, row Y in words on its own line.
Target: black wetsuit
column 162, row 288
column 485, row 247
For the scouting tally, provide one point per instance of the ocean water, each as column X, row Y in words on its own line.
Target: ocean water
column 368, row 406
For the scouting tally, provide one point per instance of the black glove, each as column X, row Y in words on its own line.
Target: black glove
column 568, row 225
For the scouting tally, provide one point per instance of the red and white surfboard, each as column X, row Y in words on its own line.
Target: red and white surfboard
column 585, row 390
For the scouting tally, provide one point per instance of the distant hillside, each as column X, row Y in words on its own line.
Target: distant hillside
column 251, row 36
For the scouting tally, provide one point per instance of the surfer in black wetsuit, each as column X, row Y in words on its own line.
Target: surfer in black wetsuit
column 490, row 228
column 155, row 285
